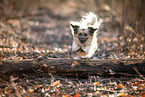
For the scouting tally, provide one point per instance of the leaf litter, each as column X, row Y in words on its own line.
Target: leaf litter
column 37, row 39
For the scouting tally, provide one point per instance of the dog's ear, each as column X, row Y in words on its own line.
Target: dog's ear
column 75, row 28
column 91, row 30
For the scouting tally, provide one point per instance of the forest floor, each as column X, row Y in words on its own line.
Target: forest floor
column 43, row 35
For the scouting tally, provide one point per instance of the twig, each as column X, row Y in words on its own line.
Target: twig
column 12, row 79
column 140, row 75
column 52, row 78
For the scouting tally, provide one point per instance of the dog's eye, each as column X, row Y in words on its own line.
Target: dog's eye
column 75, row 31
column 91, row 30
column 76, row 28
column 80, row 34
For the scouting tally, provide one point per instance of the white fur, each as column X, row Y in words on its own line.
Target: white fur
column 89, row 20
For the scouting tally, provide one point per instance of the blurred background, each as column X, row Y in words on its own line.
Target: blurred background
column 29, row 24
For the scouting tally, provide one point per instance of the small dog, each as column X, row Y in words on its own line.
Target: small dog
column 84, row 36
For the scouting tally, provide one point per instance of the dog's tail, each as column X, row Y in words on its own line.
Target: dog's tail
column 90, row 19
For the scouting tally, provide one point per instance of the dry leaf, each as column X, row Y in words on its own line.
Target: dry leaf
column 121, row 94
column 140, row 82
column 55, row 83
column 31, row 90
column 75, row 63
column 1, row 63
column 66, row 95
column 136, row 83
column 77, row 95
column 58, row 88
column 143, row 95
column 120, row 86
column 96, row 83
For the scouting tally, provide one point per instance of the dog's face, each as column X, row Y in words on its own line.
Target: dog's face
column 83, row 34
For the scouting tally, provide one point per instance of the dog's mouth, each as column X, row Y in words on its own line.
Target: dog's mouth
column 83, row 40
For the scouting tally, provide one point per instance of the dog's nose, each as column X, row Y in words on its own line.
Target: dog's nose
column 83, row 37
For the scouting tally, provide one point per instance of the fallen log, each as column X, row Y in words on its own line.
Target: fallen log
column 73, row 67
